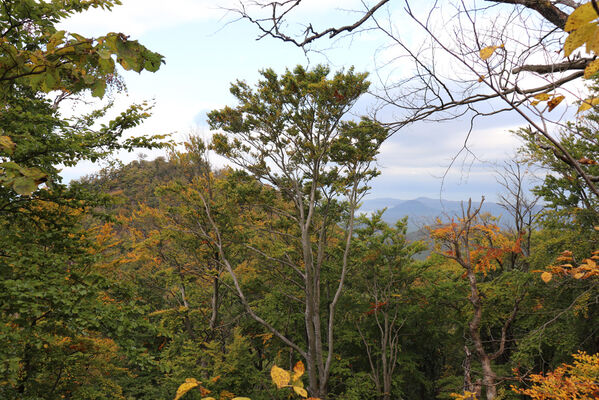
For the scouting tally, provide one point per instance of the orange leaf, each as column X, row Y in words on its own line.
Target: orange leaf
column 298, row 370
column 546, row 276
column 551, row 104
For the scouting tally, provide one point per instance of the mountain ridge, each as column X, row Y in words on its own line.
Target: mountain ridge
column 423, row 211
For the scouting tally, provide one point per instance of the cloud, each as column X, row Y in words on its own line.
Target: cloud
column 140, row 16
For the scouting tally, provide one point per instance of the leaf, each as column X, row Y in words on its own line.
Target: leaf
column 587, row 104
column 24, row 186
column 583, row 14
column 301, row 391
column 189, row 384
column 587, row 161
column 546, row 276
column 7, row 144
column 241, row 398
column 488, row 52
column 591, row 69
column 579, row 275
column 279, row 376
column 481, row 78
column 542, row 96
column 551, row 104
column 298, row 370
column 578, row 38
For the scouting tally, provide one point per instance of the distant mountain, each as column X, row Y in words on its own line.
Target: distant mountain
column 423, row 210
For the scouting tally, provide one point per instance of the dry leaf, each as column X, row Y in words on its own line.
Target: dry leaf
column 551, row 104
column 586, row 161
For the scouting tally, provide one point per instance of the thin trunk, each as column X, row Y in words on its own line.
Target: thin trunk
column 215, row 303
column 489, row 376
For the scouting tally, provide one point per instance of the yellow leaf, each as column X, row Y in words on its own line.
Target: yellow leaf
column 587, row 104
column 7, row 144
column 592, row 45
column 488, row 51
column 208, row 398
column 189, row 384
column 481, row 78
column 546, row 276
column 279, row 376
column 578, row 275
column 542, row 96
column 577, row 38
column 551, row 104
column 301, row 391
column 298, row 370
column 591, row 69
column 583, row 14
column 241, row 398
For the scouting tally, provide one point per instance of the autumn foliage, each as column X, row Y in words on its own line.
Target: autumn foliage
column 579, row 380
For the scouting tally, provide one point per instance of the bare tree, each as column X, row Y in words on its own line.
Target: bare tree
column 522, row 206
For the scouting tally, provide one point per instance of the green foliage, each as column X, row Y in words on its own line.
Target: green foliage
column 35, row 59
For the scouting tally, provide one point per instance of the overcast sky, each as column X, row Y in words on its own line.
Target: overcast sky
column 205, row 51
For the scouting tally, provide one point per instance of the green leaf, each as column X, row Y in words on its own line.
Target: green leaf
column 24, row 186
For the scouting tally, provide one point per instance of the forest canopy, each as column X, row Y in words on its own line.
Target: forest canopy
column 262, row 279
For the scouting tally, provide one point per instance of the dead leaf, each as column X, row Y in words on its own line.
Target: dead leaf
column 551, row 104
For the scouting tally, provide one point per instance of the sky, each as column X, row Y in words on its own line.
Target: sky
column 206, row 49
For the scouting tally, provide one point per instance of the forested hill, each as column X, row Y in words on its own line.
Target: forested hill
column 135, row 183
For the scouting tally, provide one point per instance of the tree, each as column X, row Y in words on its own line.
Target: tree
column 67, row 329
column 478, row 247
column 569, row 381
column 384, row 278
column 288, row 132
column 523, row 209
column 36, row 59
